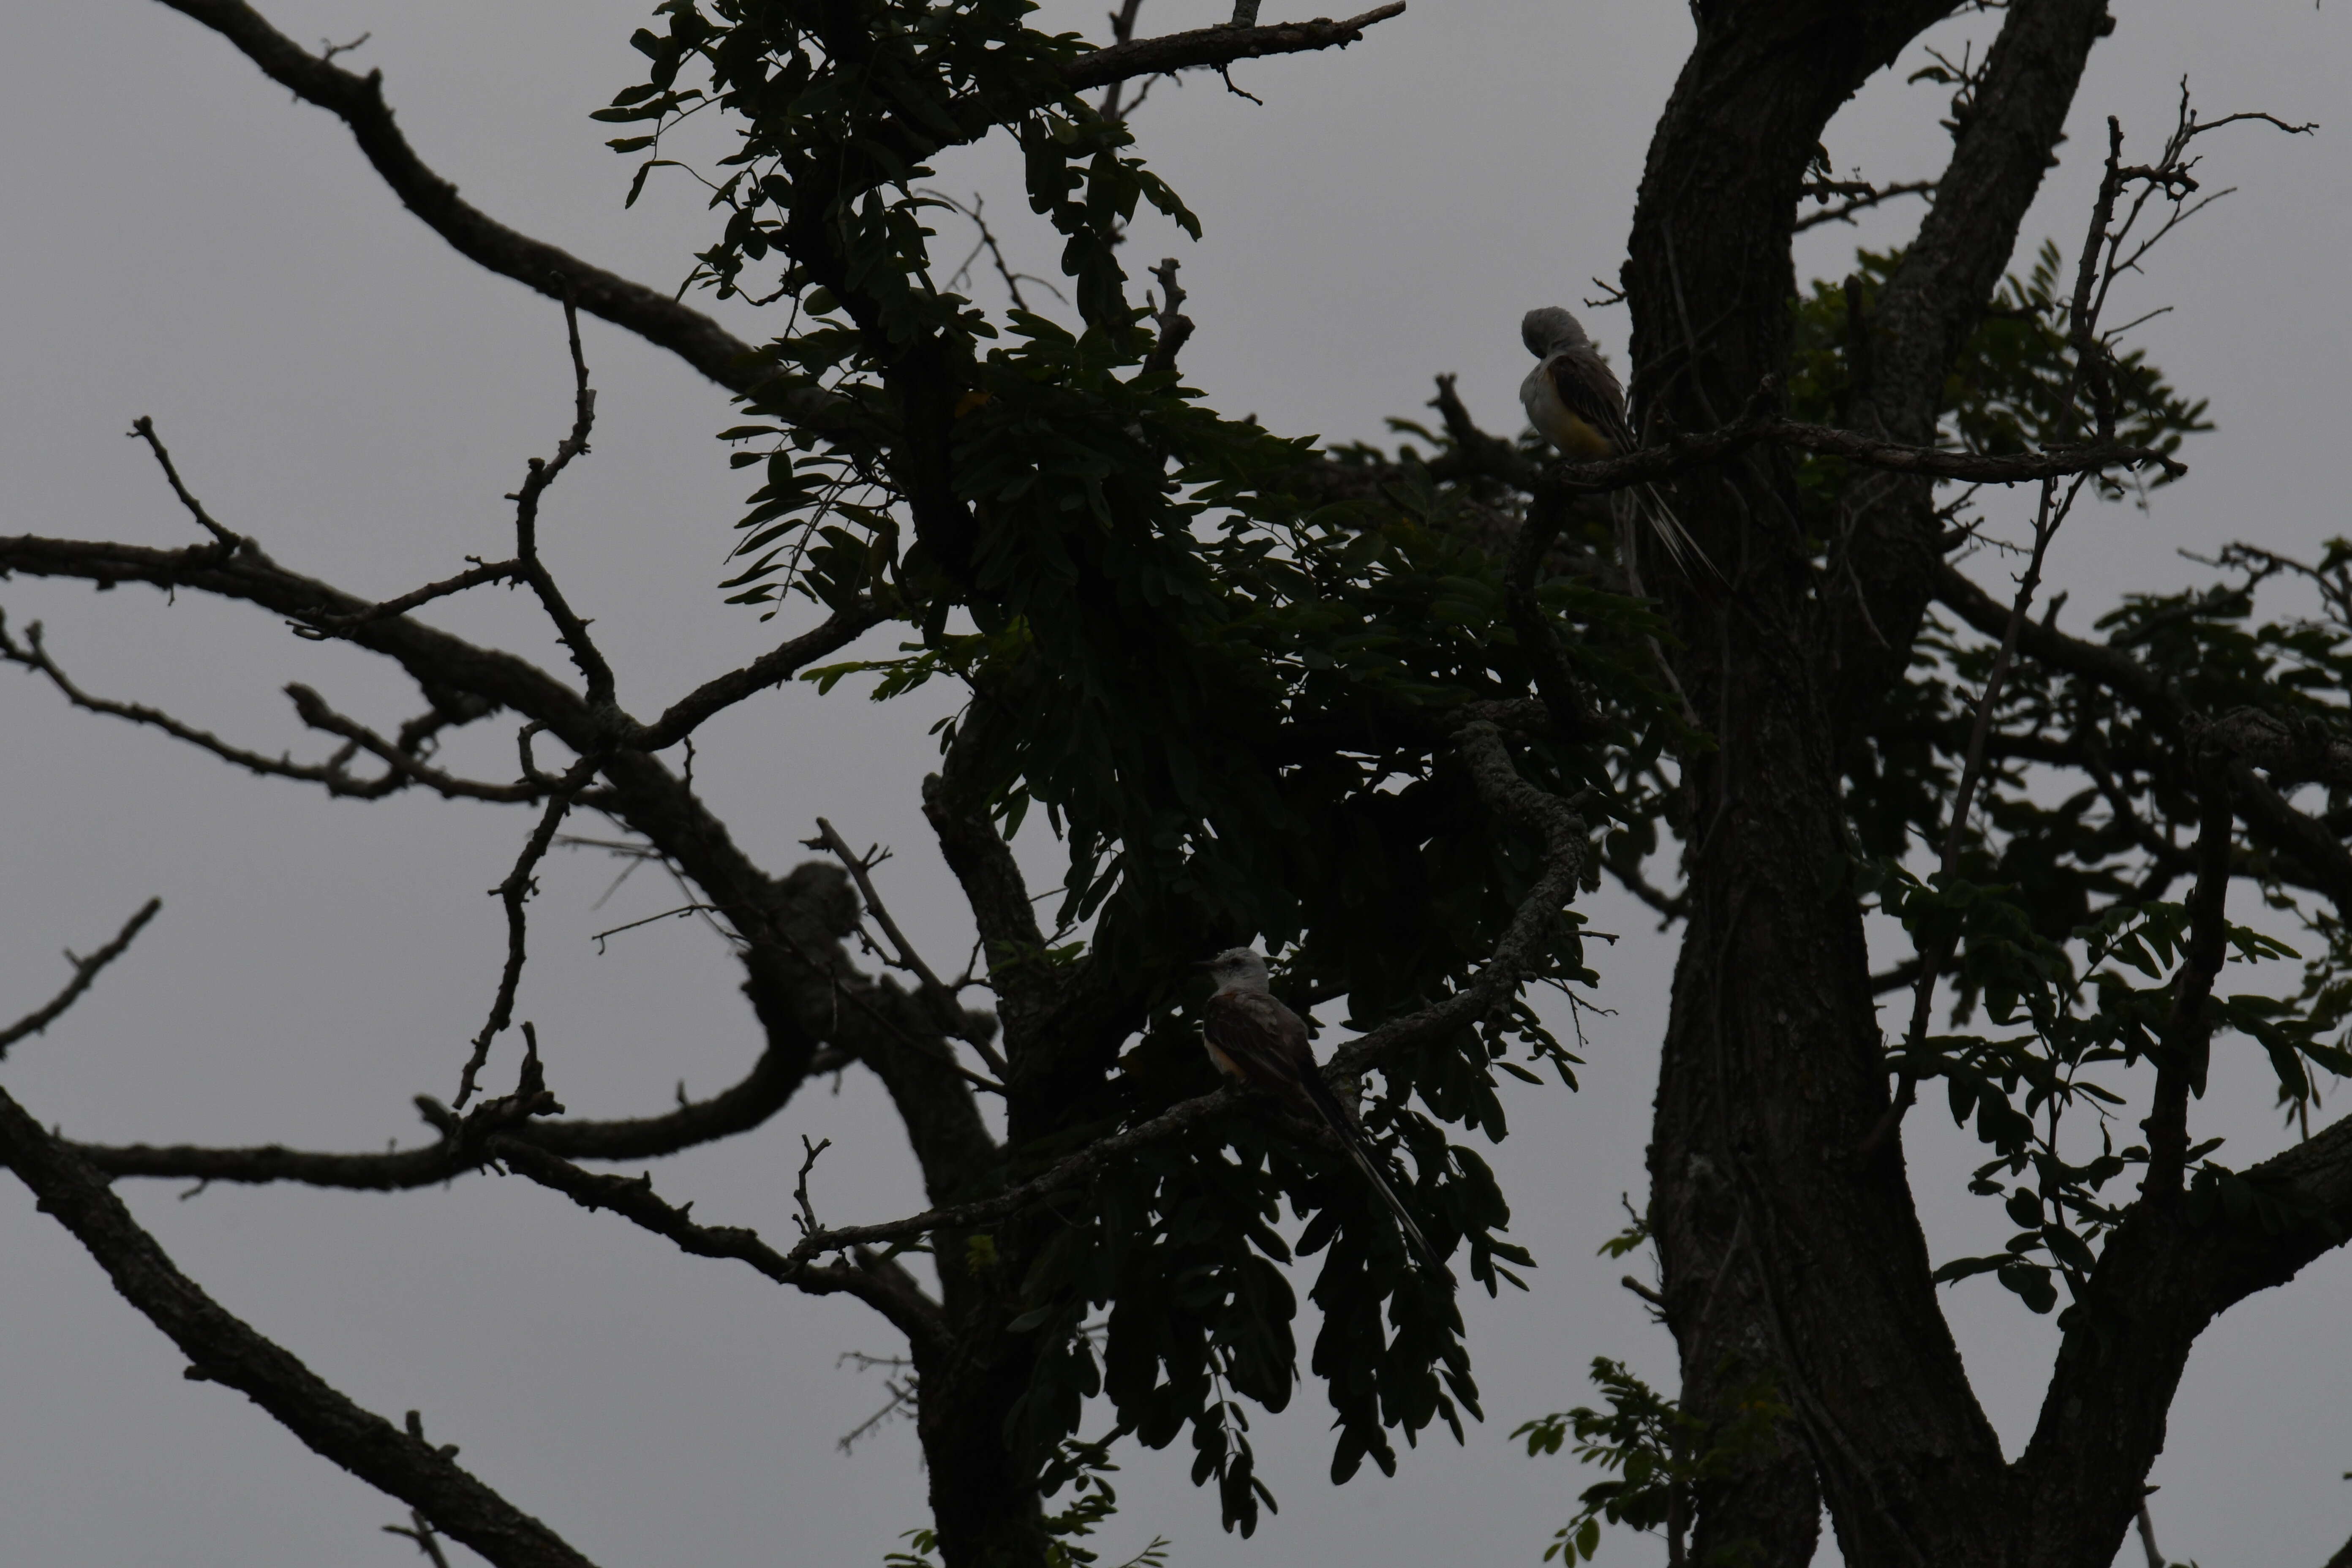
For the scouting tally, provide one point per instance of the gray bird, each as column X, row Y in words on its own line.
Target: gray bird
column 1253, row 1039
column 1574, row 402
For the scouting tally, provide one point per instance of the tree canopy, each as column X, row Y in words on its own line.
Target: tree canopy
column 1387, row 711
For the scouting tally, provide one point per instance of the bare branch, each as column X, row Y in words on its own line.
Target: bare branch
column 475, row 576
column 774, row 667
column 333, row 774
column 1216, row 47
column 1175, row 327
column 568, row 624
column 1855, row 195
column 519, row 886
column 952, row 1018
column 222, row 1347
column 358, row 101
column 86, row 969
column 420, row 1530
column 1122, row 30
column 742, row 1107
column 634, row 1199
column 398, row 755
column 143, row 429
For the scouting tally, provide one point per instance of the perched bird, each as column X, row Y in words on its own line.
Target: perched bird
column 1253, row 1039
column 1574, row 402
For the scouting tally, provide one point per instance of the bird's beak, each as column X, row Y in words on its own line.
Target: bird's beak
column 1202, row 964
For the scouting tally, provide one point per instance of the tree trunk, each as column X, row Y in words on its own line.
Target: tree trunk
column 984, row 1504
column 1795, row 1276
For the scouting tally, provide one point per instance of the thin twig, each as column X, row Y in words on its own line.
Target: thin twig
column 86, row 969
column 1122, row 31
column 517, row 887
column 569, row 627
column 428, row 1541
column 1168, row 313
column 950, row 1011
column 143, row 429
column 1858, row 197
column 333, row 774
column 326, row 626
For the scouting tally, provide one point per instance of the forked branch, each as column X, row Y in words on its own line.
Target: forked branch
column 223, row 1348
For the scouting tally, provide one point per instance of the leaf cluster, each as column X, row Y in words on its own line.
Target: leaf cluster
column 1226, row 689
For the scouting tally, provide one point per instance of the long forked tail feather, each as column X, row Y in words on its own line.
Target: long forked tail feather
column 1327, row 1105
column 1681, row 547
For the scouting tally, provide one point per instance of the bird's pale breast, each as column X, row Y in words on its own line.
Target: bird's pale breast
column 1558, row 423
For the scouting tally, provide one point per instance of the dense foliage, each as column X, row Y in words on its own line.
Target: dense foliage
column 1228, row 696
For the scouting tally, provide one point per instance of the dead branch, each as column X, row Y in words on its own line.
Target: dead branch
column 223, row 1348
column 519, row 886
column 1216, row 47
column 634, row 1199
column 952, row 1018
column 359, row 102
column 143, row 429
column 420, row 1530
column 1840, row 199
column 332, row 775
column 86, row 969
column 543, row 473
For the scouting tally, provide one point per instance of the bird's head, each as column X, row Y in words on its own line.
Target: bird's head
column 1551, row 329
column 1237, row 969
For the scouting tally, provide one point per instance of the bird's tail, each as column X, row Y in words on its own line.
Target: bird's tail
column 1681, row 547
column 1327, row 1105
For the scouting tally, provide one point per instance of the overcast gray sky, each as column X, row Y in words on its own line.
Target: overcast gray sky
column 181, row 241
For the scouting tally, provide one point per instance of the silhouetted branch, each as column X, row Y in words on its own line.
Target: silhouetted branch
column 1840, row 199
column 358, row 101
column 634, row 1199
column 1216, row 47
column 86, row 969
column 517, row 887
column 222, row 1347
column 941, row 997
column 143, row 429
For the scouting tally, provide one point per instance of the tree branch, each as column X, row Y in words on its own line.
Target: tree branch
column 358, row 101
column 2188, row 1032
column 634, row 1199
column 941, row 996
column 333, row 774
column 86, row 969
column 2268, row 816
column 1216, row 47
column 222, row 1347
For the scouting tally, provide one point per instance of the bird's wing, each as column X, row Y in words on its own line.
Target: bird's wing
column 1265, row 1041
column 1588, row 388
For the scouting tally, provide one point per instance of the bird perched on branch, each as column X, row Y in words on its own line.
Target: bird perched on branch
column 1574, row 402
column 1255, row 1040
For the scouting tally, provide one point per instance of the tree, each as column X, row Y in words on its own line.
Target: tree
column 1370, row 707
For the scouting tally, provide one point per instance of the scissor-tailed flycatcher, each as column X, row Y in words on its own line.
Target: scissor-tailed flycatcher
column 1256, row 1040
column 1574, row 402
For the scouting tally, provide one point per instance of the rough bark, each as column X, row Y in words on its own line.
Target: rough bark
column 1789, row 1261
